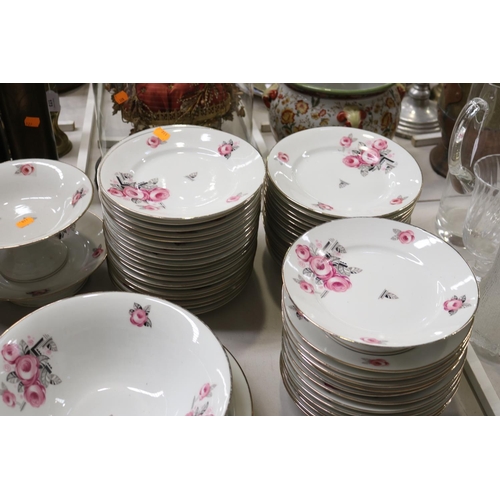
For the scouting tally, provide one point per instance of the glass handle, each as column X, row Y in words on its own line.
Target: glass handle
column 468, row 113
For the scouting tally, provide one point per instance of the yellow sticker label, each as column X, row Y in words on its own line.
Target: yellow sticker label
column 25, row 222
column 121, row 97
column 32, row 121
column 163, row 135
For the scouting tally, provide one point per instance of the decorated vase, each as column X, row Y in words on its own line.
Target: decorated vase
column 298, row 106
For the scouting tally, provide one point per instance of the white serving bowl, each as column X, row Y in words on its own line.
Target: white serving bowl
column 40, row 198
column 113, row 353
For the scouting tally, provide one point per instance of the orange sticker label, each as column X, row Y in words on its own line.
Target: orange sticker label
column 32, row 121
column 25, row 222
column 121, row 97
column 163, row 135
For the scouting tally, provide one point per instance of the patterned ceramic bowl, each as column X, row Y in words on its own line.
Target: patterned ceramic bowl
column 113, row 353
column 298, row 106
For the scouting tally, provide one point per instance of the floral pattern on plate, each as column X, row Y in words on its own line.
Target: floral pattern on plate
column 323, row 206
column 367, row 157
column 201, row 405
column 26, row 169
column 139, row 316
column 78, row 195
column 96, row 252
column 375, row 362
column 455, row 304
column 153, row 141
column 226, row 148
column 147, row 194
column 373, row 341
column 29, row 372
column 235, row 198
column 324, row 265
column 398, row 200
column 282, row 157
column 404, row 237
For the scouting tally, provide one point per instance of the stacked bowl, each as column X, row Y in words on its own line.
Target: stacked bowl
column 50, row 244
column 377, row 316
column 181, row 207
column 323, row 174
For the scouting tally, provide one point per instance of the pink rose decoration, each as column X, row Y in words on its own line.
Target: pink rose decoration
column 378, row 362
column 283, row 157
column 27, row 369
column 153, row 141
column 351, row 161
column 225, row 149
column 370, row 157
column 453, row 305
column 97, row 251
column 397, row 201
column 370, row 340
column 11, row 352
column 345, row 142
column 380, row 144
column 138, row 317
column 338, row 284
column 190, row 414
column 35, row 395
column 27, row 169
column 159, row 194
column 76, row 197
column 306, row 287
column 233, row 199
column 150, row 207
column 303, row 252
column 9, row 399
column 204, row 391
column 321, row 267
column 406, row 237
column 132, row 192
column 324, row 206
column 208, row 413
column 116, row 192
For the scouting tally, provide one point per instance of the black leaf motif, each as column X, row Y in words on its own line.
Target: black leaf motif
column 362, row 145
column 44, row 377
column 466, row 305
column 148, row 323
column 355, row 270
column 339, row 248
column 356, row 152
column 147, row 309
column 20, row 387
column 463, row 298
column 4, row 387
column 54, row 379
column 364, row 171
column 24, row 347
column 12, row 378
column 453, row 312
column 137, row 306
column 454, row 297
column 42, row 358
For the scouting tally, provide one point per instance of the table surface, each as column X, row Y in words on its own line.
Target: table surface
column 250, row 325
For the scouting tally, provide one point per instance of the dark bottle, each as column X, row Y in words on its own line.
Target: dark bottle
column 4, row 147
column 26, row 118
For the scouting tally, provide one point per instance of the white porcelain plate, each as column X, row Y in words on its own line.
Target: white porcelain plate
column 113, row 353
column 194, row 172
column 86, row 252
column 345, row 172
column 380, row 282
column 39, row 198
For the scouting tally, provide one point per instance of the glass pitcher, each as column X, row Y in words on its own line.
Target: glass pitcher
column 476, row 134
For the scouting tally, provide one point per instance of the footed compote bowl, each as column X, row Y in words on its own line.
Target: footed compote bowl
column 39, row 199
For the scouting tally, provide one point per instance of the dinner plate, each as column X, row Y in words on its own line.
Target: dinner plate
column 241, row 404
column 378, row 282
column 180, row 172
column 345, row 172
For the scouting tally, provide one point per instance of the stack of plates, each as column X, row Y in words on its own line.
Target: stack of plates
column 181, row 208
column 377, row 317
column 328, row 173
